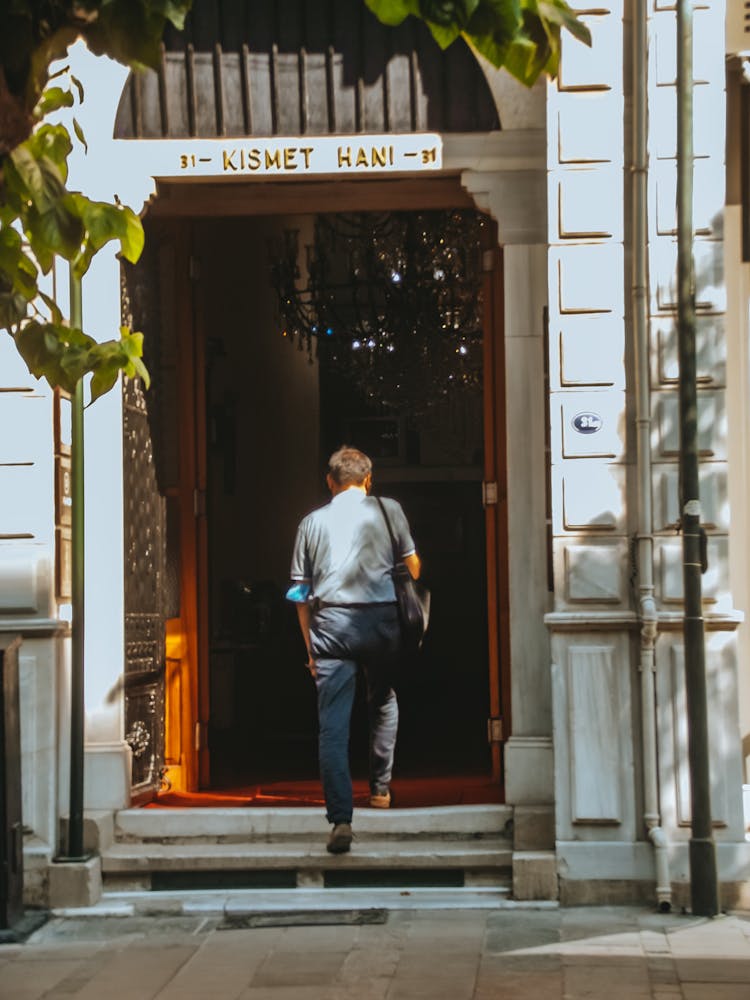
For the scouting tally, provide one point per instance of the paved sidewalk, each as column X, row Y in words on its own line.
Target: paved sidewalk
column 597, row 953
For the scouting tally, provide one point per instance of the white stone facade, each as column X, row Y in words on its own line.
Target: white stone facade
column 557, row 181
column 601, row 828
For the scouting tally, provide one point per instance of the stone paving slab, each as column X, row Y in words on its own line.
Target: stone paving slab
column 578, row 954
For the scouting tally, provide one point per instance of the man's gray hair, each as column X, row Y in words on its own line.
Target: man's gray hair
column 349, row 466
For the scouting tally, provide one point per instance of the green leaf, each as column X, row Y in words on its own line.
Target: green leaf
column 443, row 35
column 30, row 173
column 8, row 214
column 26, row 277
column 496, row 19
column 393, row 12
column 132, row 343
column 13, row 307
column 79, row 87
column 63, row 355
column 31, row 347
column 44, row 255
column 56, row 231
column 73, row 362
column 453, row 14
column 142, row 372
column 10, row 243
column 79, row 134
column 77, row 338
column 53, row 99
column 105, row 222
column 55, row 311
column 19, row 273
column 174, row 11
column 52, row 141
column 520, row 60
column 51, row 44
column 107, row 360
column 103, row 379
column 40, row 347
column 559, row 13
column 41, row 180
column 131, row 30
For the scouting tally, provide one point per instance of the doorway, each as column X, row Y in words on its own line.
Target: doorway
column 265, row 414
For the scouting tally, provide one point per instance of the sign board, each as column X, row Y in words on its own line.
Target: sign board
column 288, row 156
column 587, row 423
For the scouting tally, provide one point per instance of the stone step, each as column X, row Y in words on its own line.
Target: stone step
column 234, row 904
column 485, row 855
column 233, row 825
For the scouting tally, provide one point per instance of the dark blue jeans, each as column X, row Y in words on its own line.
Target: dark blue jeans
column 342, row 640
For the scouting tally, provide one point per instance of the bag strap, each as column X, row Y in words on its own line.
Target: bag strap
column 390, row 529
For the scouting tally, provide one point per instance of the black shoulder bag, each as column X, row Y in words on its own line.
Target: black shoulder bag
column 412, row 597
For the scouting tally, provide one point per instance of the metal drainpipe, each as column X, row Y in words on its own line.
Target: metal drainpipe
column 640, row 312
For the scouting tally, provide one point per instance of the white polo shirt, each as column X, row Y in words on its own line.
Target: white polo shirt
column 343, row 550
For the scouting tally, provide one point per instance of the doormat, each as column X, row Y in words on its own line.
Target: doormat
column 408, row 793
column 303, row 918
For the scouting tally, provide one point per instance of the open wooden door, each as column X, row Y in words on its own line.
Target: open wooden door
column 455, row 530
column 176, row 413
column 495, row 498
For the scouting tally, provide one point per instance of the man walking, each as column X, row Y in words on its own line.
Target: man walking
column 346, row 604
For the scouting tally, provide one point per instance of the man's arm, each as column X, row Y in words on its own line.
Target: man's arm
column 303, row 616
column 404, row 541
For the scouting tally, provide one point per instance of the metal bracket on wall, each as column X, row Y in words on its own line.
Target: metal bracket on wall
column 200, row 735
column 489, row 494
column 495, row 730
column 199, row 502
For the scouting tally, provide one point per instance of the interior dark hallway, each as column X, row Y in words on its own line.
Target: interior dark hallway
column 273, row 417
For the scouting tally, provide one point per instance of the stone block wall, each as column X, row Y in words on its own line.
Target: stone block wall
column 594, row 625
column 590, row 446
column 29, row 470
column 709, row 100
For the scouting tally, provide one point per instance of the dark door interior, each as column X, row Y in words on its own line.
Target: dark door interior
column 275, row 411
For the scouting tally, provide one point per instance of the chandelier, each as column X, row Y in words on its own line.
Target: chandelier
column 392, row 301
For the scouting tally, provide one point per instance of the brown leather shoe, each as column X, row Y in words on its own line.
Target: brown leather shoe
column 380, row 800
column 340, row 839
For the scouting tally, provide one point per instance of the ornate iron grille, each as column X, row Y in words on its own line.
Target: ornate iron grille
column 145, row 552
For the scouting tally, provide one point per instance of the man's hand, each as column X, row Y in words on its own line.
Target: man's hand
column 304, row 615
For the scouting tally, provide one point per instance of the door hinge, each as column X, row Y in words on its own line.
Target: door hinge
column 495, row 730
column 489, row 494
column 488, row 260
column 199, row 502
column 194, row 268
column 201, row 733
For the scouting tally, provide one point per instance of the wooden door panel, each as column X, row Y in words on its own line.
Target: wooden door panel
column 496, row 502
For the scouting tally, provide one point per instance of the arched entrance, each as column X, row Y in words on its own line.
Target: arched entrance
column 237, row 709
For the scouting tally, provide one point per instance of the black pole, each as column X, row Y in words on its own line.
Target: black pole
column 75, row 850
column 704, row 893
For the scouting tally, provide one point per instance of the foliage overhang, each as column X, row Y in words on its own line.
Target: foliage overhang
column 41, row 219
column 522, row 36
